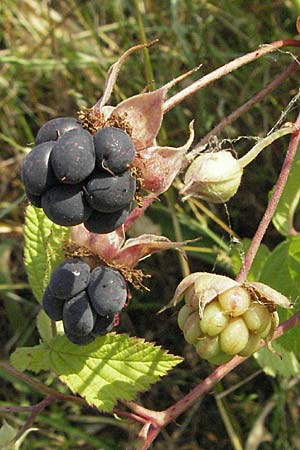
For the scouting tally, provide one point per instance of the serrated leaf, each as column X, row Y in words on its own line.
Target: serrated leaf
column 282, row 272
column 43, row 247
column 34, row 359
column 272, row 364
column 113, row 367
column 284, row 214
column 43, row 324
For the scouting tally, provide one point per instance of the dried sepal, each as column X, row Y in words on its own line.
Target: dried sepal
column 267, row 295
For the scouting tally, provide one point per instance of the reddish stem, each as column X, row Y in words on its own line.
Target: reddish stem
column 267, row 217
column 227, row 68
column 250, row 103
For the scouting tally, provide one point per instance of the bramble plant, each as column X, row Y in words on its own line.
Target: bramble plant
column 88, row 180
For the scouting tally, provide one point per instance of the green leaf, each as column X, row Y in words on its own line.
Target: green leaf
column 282, row 272
column 43, row 248
column 31, row 358
column 284, row 214
column 285, row 365
column 7, row 434
column 43, row 324
column 113, row 367
column 238, row 253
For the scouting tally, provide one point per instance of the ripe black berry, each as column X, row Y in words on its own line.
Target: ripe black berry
column 73, row 156
column 110, row 193
column 35, row 200
column 55, row 128
column 107, row 290
column 65, row 205
column 114, row 149
column 69, row 278
column 37, row 174
column 78, row 316
column 103, row 324
column 100, row 222
column 52, row 305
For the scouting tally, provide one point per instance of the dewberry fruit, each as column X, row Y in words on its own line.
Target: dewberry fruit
column 214, row 319
column 69, row 278
column 208, row 347
column 107, row 290
column 52, row 305
column 73, row 156
column 108, row 193
column 114, row 149
column 35, row 200
column 78, row 316
column 257, row 317
column 191, row 328
column 235, row 301
column 80, row 339
column 103, row 324
column 234, row 338
column 55, row 128
column 100, row 222
column 37, row 174
column 183, row 314
column 66, row 205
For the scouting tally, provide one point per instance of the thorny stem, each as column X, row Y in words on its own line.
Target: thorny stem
column 248, row 105
column 267, row 217
column 226, row 69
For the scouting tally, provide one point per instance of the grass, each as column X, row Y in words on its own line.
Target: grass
column 53, row 60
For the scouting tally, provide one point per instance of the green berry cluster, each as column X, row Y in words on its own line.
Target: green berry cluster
column 233, row 323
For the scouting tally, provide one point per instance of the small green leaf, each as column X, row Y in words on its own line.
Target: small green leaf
column 284, row 214
column 43, row 248
column 7, row 434
column 285, row 365
column 31, row 358
column 113, row 367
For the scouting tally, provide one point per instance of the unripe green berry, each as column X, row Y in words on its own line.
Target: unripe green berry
column 235, row 301
column 183, row 314
column 191, row 328
column 191, row 298
column 257, row 317
column 208, row 347
column 234, row 338
column 263, row 334
column 214, row 319
column 252, row 345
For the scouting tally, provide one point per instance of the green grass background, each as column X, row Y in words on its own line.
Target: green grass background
column 53, row 59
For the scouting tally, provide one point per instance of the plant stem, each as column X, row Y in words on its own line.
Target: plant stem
column 262, row 144
column 142, row 33
column 267, row 217
column 248, row 105
column 226, row 69
column 38, row 386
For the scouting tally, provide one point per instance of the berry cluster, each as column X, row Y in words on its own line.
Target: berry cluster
column 233, row 323
column 88, row 302
column 76, row 177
